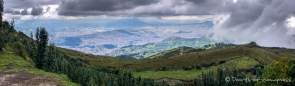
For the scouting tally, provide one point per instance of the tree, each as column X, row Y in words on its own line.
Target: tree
column 282, row 69
column 1, row 10
column 31, row 35
column 1, row 27
column 51, row 54
column 259, row 72
column 42, row 41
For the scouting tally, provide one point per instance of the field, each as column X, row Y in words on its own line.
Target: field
column 179, row 74
column 244, row 63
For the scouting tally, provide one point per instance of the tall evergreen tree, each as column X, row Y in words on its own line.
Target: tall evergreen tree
column 42, row 41
column 1, row 27
column 49, row 58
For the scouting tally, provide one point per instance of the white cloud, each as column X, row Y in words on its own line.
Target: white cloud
column 51, row 13
column 8, row 17
column 291, row 22
column 183, row 17
column 234, row 1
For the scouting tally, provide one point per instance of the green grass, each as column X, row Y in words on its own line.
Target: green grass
column 19, row 64
column 239, row 63
column 178, row 62
column 179, row 74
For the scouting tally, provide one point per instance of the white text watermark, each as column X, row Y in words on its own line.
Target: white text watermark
column 247, row 80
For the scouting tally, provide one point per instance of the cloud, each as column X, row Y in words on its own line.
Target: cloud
column 47, row 9
column 21, row 4
column 36, row 11
column 24, row 12
column 125, row 7
column 16, row 12
column 7, row 10
column 141, row 7
column 99, row 7
column 20, row 7
column 197, row 1
column 241, row 21
column 263, row 21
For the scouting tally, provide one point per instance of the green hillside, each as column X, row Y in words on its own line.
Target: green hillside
column 190, row 58
column 28, row 61
column 192, row 62
column 175, row 52
column 24, row 70
column 182, row 64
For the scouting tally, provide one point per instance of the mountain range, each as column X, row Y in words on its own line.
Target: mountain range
column 112, row 36
column 147, row 50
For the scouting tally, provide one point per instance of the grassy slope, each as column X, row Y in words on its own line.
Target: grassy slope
column 18, row 64
column 244, row 63
column 175, row 52
column 179, row 61
column 241, row 56
column 179, row 74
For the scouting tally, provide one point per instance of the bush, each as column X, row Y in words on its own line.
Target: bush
column 19, row 49
column 282, row 69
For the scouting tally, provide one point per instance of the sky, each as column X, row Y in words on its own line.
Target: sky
column 267, row 22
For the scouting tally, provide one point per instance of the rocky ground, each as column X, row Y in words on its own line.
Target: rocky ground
column 22, row 78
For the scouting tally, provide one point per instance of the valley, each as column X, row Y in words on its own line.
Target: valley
column 147, row 43
column 178, row 64
column 95, row 38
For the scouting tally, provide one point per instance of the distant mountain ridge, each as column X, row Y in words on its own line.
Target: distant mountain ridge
column 104, row 36
column 147, row 50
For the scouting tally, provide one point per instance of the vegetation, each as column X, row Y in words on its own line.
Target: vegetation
column 190, row 60
column 178, row 74
column 213, row 64
column 42, row 41
column 1, row 29
column 150, row 49
column 279, row 73
column 11, row 62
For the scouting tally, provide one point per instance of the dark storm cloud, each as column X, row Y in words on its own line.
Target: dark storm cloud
column 16, row 12
column 36, row 11
column 7, row 10
column 28, row 3
column 262, row 21
column 208, row 7
column 197, row 1
column 243, row 12
column 259, row 13
column 128, row 7
column 87, row 7
column 24, row 12
column 10, row 5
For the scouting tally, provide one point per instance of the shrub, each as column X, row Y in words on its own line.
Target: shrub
column 19, row 49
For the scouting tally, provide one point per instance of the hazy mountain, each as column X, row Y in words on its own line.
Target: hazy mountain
column 143, row 51
column 104, row 36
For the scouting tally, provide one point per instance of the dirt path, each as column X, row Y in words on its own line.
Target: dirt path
column 22, row 78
